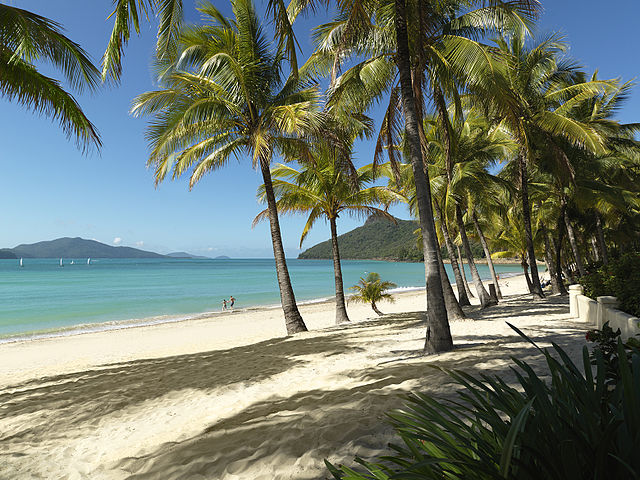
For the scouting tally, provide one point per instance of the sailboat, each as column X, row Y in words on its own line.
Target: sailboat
column 61, row 263
column 21, row 263
column 88, row 261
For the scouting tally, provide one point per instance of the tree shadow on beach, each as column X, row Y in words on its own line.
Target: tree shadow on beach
column 301, row 430
column 75, row 398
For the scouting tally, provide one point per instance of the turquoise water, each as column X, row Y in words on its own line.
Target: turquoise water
column 43, row 297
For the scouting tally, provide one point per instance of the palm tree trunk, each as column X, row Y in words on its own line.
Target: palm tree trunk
column 438, row 335
column 558, row 248
column 292, row 316
column 454, row 311
column 525, row 269
column 464, row 274
column 463, row 298
column 551, row 266
column 341, row 309
column 485, row 299
column 574, row 245
column 600, row 240
column 487, row 253
column 526, row 216
column 375, row 309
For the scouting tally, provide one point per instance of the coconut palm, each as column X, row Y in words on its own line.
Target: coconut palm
column 225, row 98
column 27, row 38
column 323, row 189
column 372, row 290
column 533, row 92
column 417, row 37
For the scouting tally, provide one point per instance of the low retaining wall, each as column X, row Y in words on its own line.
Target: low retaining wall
column 598, row 312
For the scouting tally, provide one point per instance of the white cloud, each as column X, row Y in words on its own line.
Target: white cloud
column 117, row 241
column 140, row 243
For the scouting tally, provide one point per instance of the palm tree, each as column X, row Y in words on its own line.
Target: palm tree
column 26, row 38
column 372, row 290
column 225, row 97
column 533, row 94
column 323, row 189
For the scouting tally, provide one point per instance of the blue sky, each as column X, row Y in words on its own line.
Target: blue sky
column 49, row 189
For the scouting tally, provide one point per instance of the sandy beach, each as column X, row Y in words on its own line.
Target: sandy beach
column 231, row 397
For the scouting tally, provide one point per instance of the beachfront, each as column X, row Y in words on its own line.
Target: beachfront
column 234, row 398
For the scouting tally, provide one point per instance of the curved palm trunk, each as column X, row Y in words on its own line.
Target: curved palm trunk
column 526, row 217
column 341, row 309
column 375, row 309
column 292, row 316
column 438, row 335
column 574, row 246
column 487, row 253
column 454, row 311
column 600, row 239
column 485, row 299
column 525, row 269
column 463, row 298
column 464, row 274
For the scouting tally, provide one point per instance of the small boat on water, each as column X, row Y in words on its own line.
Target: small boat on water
column 21, row 264
column 88, row 261
column 61, row 264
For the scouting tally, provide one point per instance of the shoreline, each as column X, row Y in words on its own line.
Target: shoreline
column 89, row 328
column 28, row 359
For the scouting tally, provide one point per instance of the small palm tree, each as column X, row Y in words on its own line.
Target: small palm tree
column 25, row 38
column 371, row 290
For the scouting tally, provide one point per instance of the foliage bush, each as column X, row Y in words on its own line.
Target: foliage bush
column 620, row 278
column 575, row 426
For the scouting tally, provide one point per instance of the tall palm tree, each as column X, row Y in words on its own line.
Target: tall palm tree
column 533, row 93
column 26, row 39
column 323, row 189
column 223, row 98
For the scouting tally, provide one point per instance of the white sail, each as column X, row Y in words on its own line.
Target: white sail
column 61, row 262
column 21, row 263
column 88, row 261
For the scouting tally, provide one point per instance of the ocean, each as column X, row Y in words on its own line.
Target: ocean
column 43, row 299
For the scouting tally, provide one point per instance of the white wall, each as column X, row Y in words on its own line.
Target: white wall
column 603, row 310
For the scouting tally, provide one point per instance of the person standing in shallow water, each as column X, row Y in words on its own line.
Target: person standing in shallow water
column 231, row 301
column 224, row 304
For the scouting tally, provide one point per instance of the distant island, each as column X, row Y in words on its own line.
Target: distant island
column 222, row 257
column 379, row 239
column 186, row 255
column 81, row 248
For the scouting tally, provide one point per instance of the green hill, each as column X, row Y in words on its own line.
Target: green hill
column 379, row 239
column 78, row 248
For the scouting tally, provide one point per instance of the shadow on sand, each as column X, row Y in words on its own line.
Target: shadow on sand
column 297, row 430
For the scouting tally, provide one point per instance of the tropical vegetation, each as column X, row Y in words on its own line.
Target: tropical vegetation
column 619, row 278
column 372, row 290
column 567, row 422
column 27, row 39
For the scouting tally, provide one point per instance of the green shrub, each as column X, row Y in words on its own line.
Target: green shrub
column 620, row 278
column 571, row 427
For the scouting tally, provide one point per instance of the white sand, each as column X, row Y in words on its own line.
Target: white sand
column 232, row 398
